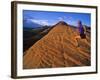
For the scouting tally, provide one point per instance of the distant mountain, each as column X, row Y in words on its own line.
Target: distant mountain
column 29, row 24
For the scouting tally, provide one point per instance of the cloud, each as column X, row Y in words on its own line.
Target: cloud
column 42, row 22
column 67, row 19
column 60, row 18
column 63, row 18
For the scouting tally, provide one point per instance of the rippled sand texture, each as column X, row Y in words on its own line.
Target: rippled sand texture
column 58, row 49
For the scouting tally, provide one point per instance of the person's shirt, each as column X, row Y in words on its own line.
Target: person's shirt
column 80, row 29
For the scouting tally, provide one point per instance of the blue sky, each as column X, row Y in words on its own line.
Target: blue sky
column 51, row 18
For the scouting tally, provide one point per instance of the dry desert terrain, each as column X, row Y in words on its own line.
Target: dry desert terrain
column 58, row 48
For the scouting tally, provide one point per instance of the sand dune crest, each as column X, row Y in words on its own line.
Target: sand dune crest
column 58, row 49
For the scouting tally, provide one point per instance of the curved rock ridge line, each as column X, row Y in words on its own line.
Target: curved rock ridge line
column 58, row 49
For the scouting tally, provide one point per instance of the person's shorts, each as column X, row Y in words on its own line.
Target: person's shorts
column 83, row 36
